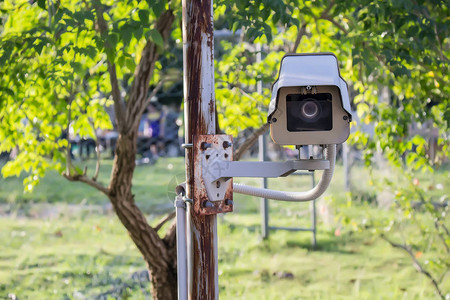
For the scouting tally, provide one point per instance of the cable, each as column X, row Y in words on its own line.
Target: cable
column 312, row 194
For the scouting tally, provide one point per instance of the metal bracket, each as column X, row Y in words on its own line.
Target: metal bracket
column 211, row 195
column 223, row 170
column 179, row 202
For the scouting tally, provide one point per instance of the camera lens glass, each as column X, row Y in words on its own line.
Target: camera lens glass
column 311, row 112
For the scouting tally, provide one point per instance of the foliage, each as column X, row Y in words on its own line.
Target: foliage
column 239, row 106
column 54, row 59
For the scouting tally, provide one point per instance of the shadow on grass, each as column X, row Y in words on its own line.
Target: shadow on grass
column 326, row 242
column 328, row 245
column 121, row 287
column 100, row 277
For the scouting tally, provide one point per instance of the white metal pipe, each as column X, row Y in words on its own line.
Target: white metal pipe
column 190, row 257
column 312, row 194
column 181, row 249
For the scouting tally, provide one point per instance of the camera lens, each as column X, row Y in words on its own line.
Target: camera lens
column 310, row 110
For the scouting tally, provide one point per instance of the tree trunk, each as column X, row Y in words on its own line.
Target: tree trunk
column 158, row 253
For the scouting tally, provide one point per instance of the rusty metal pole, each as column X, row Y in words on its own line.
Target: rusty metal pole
column 199, row 112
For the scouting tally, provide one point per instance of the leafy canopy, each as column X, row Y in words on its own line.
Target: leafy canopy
column 53, row 65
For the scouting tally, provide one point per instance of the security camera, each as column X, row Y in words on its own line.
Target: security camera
column 310, row 104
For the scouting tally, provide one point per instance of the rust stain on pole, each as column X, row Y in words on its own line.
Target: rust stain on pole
column 198, row 67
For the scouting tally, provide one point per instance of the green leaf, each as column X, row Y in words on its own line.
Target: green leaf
column 156, row 37
column 129, row 62
column 267, row 31
column 91, row 51
column 38, row 47
column 7, row 91
column 236, row 26
column 144, row 16
column 121, row 61
column 158, row 7
column 41, row 4
column 138, row 32
column 112, row 39
column 126, row 32
column 418, row 140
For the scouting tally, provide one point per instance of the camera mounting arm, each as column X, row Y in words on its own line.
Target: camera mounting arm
column 217, row 168
column 310, row 195
column 223, row 169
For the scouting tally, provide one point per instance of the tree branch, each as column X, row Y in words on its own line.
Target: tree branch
column 301, row 32
column 417, row 264
column 87, row 180
column 325, row 15
column 144, row 71
column 334, row 22
column 153, row 93
column 164, row 220
column 249, row 142
column 445, row 229
column 82, row 177
column 119, row 104
column 327, row 10
column 441, row 236
column 69, row 119
column 97, row 148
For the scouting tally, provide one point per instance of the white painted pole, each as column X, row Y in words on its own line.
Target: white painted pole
column 181, row 249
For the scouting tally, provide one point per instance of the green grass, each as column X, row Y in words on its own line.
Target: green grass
column 65, row 257
column 82, row 254
column 70, row 257
column 349, row 266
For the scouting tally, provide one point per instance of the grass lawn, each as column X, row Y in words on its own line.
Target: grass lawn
column 86, row 254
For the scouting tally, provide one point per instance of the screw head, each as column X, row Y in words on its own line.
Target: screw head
column 207, row 204
column 205, row 145
column 228, row 202
column 227, row 144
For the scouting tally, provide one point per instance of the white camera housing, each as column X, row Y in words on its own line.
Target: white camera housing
column 310, row 104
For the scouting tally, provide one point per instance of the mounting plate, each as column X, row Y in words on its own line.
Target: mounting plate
column 212, row 197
